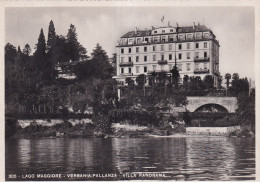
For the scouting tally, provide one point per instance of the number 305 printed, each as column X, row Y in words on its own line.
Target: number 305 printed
column 12, row 176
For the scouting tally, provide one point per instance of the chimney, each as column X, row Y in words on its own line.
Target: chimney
column 199, row 24
column 177, row 24
column 135, row 30
column 169, row 24
column 193, row 25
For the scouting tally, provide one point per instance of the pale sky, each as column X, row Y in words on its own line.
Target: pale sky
column 234, row 27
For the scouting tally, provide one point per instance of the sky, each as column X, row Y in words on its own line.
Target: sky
column 234, row 27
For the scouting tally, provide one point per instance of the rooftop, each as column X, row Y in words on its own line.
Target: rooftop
column 185, row 29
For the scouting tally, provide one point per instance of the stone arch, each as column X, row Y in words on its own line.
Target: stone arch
column 210, row 106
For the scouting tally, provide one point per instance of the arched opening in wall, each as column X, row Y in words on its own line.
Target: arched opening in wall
column 210, row 115
column 211, row 108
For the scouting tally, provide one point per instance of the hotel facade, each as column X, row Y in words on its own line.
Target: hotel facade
column 195, row 49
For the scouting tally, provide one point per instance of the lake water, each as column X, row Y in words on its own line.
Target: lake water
column 191, row 158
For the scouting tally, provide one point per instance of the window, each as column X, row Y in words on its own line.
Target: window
column 180, row 46
column 188, row 55
column 145, row 58
column 188, row 45
column 129, row 70
column 154, row 67
column 139, row 40
column 189, row 36
column 170, row 56
column 181, row 37
column 180, row 55
column 205, row 45
column 162, row 57
column 155, row 39
column 122, row 59
column 154, row 57
column 137, row 69
column 180, row 67
column 163, row 39
column 137, row 58
column 137, row 49
column 196, row 66
column 206, row 35
column 162, row 47
column 122, row 70
column 145, row 69
column 145, row 49
column 129, row 59
column 129, row 50
column 163, row 31
column 196, row 54
column 155, row 31
column 188, row 66
column 205, row 65
column 197, row 45
column 171, row 30
column 198, row 36
column 171, row 38
column 170, row 46
column 205, row 54
column 122, row 51
column 154, row 48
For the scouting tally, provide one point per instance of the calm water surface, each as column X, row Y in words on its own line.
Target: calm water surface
column 189, row 158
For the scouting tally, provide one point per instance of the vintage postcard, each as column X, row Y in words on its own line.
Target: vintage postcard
column 129, row 90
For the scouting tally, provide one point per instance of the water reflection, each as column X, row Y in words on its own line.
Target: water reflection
column 183, row 158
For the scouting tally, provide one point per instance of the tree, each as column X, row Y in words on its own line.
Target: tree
column 227, row 77
column 27, row 50
column 41, row 46
column 140, row 80
column 75, row 50
column 175, row 76
column 186, row 81
column 10, row 57
column 208, row 82
column 101, row 64
column 239, row 86
column 130, row 82
column 84, row 70
column 59, row 50
column 42, row 65
column 220, row 79
column 235, row 77
column 113, row 62
column 51, row 37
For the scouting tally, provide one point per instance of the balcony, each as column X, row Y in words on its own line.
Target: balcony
column 126, row 74
column 162, row 61
column 167, row 40
column 124, row 64
column 201, row 71
column 201, row 59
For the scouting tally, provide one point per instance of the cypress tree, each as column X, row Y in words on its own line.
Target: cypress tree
column 51, row 37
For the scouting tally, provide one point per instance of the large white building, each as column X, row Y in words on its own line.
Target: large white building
column 145, row 51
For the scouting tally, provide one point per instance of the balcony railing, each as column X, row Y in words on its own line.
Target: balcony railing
column 201, row 59
column 126, row 74
column 168, row 40
column 122, row 64
column 201, row 71
column 162, row 61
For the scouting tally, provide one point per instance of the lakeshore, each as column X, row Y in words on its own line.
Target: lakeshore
column 75, row 128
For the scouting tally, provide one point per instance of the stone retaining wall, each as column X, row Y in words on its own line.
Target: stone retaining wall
column 52, row 122
column 216, row 131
